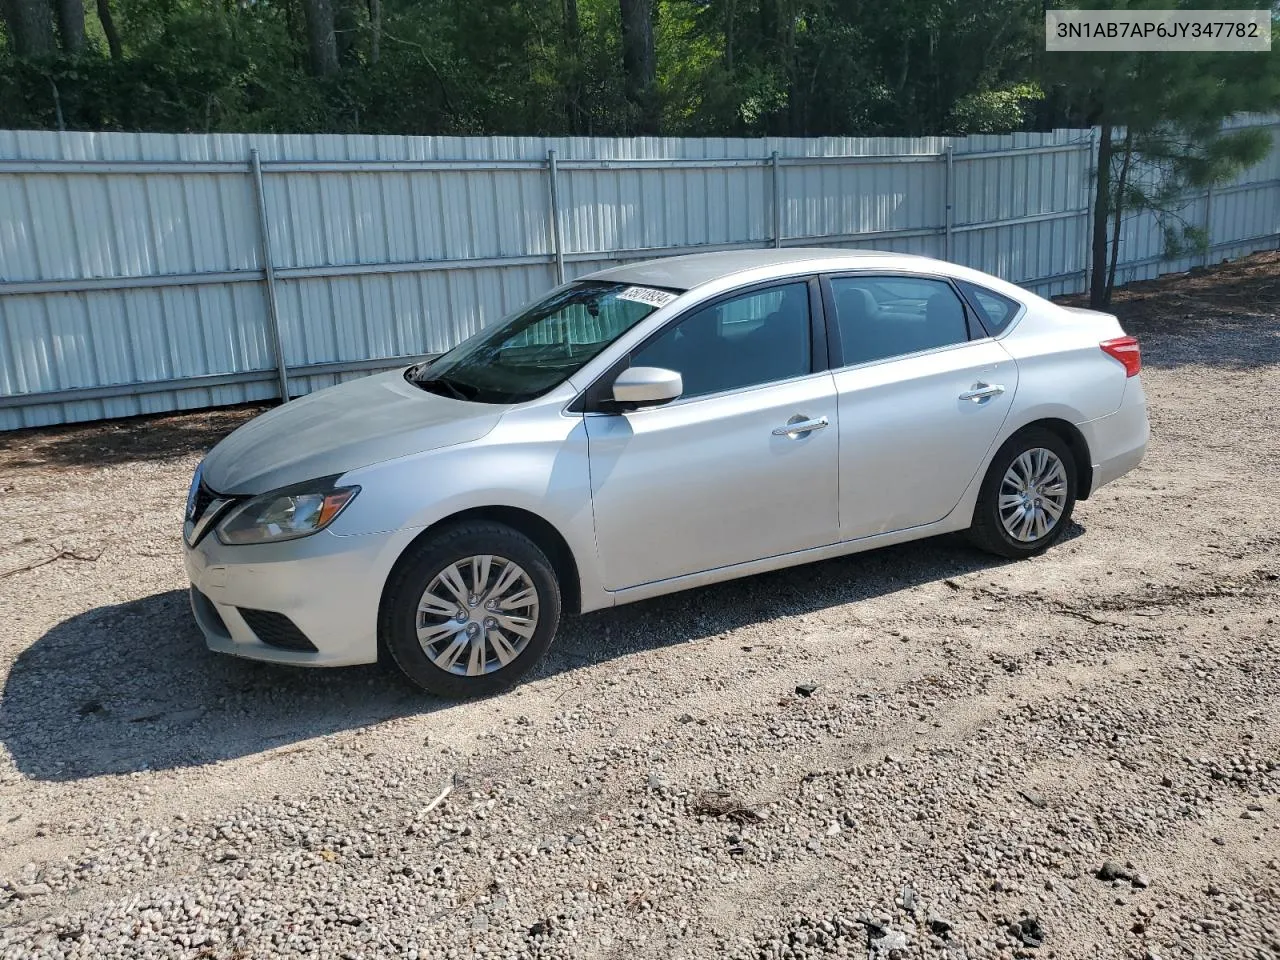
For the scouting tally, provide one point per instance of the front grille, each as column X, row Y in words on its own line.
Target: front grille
column 204, row 497
column 276, row 630
column 205, row 610
column 206, row 508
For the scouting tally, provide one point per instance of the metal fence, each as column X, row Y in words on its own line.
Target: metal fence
column 142, row 273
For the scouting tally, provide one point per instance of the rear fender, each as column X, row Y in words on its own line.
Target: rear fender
column 1063, row 371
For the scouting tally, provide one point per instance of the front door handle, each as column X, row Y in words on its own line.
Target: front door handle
column 981, row 391
column 797, row 427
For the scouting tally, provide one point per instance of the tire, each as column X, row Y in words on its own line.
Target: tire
column 445, row 660
column 989, row 531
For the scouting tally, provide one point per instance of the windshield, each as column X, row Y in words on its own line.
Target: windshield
column 541, row 346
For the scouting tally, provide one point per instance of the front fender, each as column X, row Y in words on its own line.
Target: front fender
column 535, row 460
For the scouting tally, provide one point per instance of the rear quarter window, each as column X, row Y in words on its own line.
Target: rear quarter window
column 995, row 310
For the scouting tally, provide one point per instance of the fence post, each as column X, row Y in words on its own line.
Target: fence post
column 1090, row 184
column 557, row 245
column 777, row 200
column 273, row 310
column 949, row 199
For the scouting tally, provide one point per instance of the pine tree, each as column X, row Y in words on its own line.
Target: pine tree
column 1160, row 117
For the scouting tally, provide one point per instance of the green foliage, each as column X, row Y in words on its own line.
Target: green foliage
column 725, row 67
column 201, row 69
column 1175, row 164
column 995, row 111
column 1183, row 240
column 812, row 67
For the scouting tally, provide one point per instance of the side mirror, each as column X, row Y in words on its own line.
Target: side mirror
column 644, row 386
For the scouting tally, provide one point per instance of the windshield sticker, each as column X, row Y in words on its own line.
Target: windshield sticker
column 655, row 298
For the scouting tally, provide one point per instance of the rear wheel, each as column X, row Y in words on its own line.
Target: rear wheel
column 471, row 610
column 1027, row 495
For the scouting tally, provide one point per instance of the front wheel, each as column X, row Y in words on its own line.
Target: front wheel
column 1027, row 496
column 471, row 610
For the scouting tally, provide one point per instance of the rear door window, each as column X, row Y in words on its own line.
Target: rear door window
column 883, row 317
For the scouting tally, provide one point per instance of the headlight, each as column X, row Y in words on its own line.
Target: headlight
column 286, row 514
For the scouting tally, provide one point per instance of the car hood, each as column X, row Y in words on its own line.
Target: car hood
column 338, row 429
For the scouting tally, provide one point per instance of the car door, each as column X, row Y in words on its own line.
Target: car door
column 922, row 394
column 743, row 465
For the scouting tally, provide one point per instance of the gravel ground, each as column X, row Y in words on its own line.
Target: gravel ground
column 917, row 752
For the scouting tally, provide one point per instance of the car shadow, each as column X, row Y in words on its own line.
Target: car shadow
column 132, row 687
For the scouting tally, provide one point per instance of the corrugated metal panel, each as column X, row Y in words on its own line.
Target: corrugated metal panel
column 836, row 200
column 620, row 209
column 130, row 281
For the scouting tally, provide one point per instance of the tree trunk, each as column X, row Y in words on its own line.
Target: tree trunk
column 797, row 101
column 639, row 64
column 375, row 30
column 1117, row 211
column 70, row 14
column 322, row 44
column 59, row 119
column 1101, row 210
column 728, row 34
column 768, row 23
column 30, row 27
column 572, row 39
column 572, row 25
column 109, row 29
column 346, row 29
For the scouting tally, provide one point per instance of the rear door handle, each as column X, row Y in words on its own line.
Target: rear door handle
column 981, row 391
column 797, row 427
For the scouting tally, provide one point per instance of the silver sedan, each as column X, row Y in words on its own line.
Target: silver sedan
column 648, row 429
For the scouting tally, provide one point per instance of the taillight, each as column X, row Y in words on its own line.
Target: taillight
column 1126, row 350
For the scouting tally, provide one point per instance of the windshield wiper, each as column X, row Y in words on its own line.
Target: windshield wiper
column 443, row 386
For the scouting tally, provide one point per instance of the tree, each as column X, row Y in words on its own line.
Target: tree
column 375, row 30
column 841, row 67
column 571, row 82
column 70, row 15
column 689, row 67
column 1160, row 118
column 640, row 65
column 109, row 30
column 322, row 43
column 30, row 24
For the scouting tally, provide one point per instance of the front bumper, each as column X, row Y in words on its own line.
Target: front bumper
column 328, row 586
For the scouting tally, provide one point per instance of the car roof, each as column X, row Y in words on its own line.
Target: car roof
column 693, row 270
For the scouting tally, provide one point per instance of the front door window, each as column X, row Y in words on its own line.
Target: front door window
column 759, row 337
